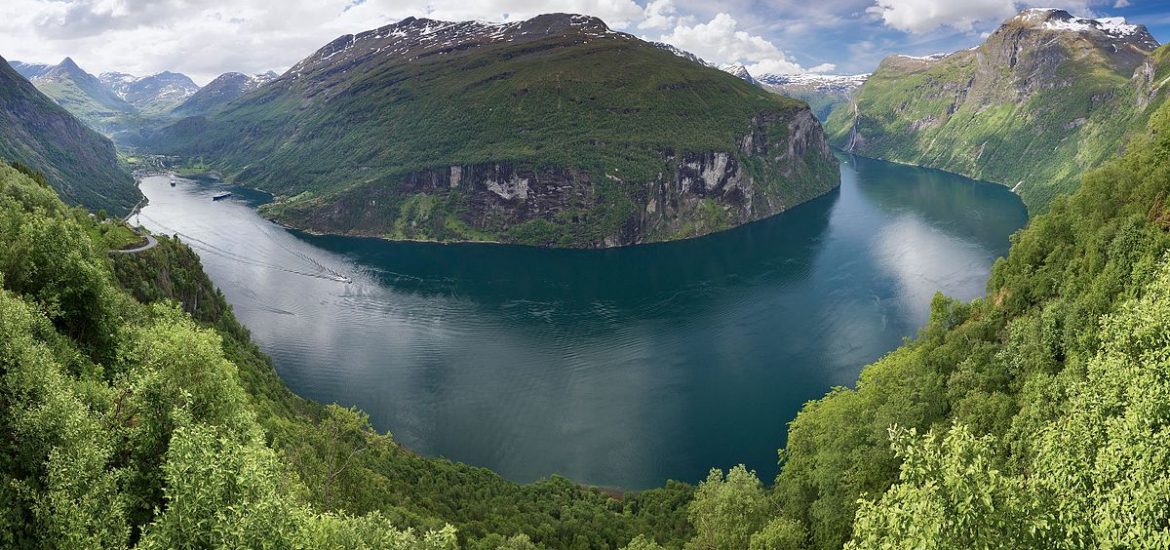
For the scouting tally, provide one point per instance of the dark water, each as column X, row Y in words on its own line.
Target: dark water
column 619, row 368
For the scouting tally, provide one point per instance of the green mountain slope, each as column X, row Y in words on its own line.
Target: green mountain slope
column 553, row 131
column 1044, row 98
column 1055, row 381
column 132, row 423
column 218, row 93
column 84, row 95
column 80, row 164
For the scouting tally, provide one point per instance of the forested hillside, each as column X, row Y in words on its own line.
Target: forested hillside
column 1044, row 401
column 79, row 163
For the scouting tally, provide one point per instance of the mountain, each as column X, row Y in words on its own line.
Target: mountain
column 30, row 70
column 78, row 162
column 1044, row 98
column 225, row 89
column 681, row 53
column 83, row 95
column 823, row 92
column 739, row 71
column 154, row 94
column 554, row 131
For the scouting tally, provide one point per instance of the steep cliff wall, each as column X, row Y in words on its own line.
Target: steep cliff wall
column 783, row 161
column 556, row 131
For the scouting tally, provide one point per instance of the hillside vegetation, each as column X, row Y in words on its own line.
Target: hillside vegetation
column 78, row 162
column 554, row 131
column 1033, row 107
column 139, row 414
column 1030, row 418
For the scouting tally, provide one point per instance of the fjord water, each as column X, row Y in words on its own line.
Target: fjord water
column 621, row 367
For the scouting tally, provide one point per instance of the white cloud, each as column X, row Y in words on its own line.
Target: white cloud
column 920, row 16
column 721, row 41
column 204, row 38
column 659, row 14
column 926, row 15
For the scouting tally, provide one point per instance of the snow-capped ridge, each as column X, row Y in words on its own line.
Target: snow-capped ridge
column 414, row 36
column 683, row 54
column 931, row 57
column 1055, row 19
column 740, row 71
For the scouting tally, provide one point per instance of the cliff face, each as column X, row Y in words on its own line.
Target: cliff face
column 1045, row 98
column 555, row 131
column 782, row 162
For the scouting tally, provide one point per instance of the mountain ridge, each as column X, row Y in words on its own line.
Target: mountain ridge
column 78, row 162
column 153, row 94
column 224, row 89
column 554, row 131
column 1043, row 85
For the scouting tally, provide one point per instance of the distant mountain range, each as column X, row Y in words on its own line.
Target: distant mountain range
column 218, row 93
column 122, row 105
column 822, row 92
column 551, row 131
column 155, row 94
column 78, row 162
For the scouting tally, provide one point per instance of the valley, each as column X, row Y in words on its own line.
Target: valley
column 657, row 281
column 468, row 351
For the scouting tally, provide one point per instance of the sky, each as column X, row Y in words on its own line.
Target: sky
column 204, row 38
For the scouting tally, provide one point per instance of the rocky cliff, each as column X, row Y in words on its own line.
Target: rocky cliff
column 555, row 131
column 1046, row 97
column 782, row 162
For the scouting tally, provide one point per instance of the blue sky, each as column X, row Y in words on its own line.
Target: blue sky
column 204, row 38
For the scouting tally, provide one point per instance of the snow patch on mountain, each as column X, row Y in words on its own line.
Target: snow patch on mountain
column 1054, row 19
column 413, row 37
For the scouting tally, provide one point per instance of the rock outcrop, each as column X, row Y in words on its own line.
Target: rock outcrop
column 695, row 194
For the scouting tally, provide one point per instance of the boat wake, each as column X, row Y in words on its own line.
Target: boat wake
column 323, row 272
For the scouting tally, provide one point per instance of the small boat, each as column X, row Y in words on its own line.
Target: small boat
column 221, row 196
column 172, row 182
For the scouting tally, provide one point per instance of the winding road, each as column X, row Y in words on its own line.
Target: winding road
column 151, row 242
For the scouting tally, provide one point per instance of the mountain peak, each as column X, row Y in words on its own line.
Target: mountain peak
column 414, row 37
column 740, row 71
column 70, row 66
column 1058, row 20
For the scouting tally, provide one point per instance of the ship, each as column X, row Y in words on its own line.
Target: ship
column 221, row 196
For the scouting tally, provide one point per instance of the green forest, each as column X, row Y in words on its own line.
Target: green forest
column 136, row 412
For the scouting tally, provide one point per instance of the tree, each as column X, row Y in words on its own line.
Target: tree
column 950, row 494
column 779, row 534
column 727, row 510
